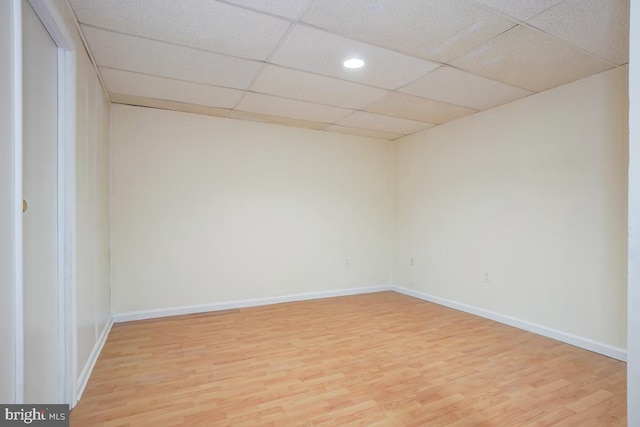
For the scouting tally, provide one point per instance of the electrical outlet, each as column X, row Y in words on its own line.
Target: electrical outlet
column 346, row 262
column 485, row 277
column 410, row 260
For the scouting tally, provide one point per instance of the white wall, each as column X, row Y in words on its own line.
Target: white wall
column 93, row 296
column 633, row 355
column 534, row 193
column 208, row 210
column 6, row 206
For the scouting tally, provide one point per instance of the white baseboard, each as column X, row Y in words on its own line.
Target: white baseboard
column 585, row 343
column 81, row 383
column 193, row 309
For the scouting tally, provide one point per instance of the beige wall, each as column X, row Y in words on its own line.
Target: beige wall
column 534, row 193
column 6, row 206
column 208, row 210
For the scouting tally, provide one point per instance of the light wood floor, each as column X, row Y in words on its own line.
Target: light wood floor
column 380, row 359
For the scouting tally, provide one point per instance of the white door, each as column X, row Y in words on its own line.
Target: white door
column 40, row 148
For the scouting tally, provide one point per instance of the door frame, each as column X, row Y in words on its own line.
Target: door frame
column 16, row 101
column 633, row 262
column 60, row 34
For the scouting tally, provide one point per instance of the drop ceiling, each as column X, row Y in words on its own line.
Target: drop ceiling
column 427, row 62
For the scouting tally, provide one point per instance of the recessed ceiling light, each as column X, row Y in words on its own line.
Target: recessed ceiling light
column 353, row 63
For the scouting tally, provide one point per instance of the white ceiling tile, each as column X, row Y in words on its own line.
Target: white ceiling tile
column 300, row 110
column 519, row 9
column 317, row 51
column 526, row 58
column 305, row 86
column 119, row 81
column 202, row 24
column 164, row 104
column 458, row 87
column 363, row 132
column 417, row 108
column 276, row 120
column 291, row 9
column 145, row 56
column 433, row 29
column 191, row 55
column 365, row 120
column 598, row 26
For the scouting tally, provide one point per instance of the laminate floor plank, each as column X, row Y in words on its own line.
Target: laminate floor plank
column 381, row 359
